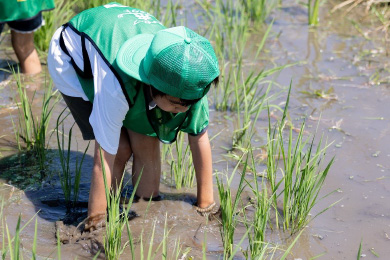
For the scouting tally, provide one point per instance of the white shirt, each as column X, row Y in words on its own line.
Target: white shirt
column 109, row 104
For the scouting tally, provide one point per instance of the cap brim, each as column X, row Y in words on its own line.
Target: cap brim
column 131, row 55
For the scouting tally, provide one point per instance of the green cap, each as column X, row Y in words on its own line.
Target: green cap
column 177, row 61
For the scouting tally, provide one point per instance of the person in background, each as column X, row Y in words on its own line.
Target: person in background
column 129, row 83
column 24, row 17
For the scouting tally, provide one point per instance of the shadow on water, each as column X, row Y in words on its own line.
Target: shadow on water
column 43, row 187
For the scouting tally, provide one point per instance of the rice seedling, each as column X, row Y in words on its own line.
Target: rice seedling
column 175, row 252
column 258, row 222
column 313, row 7
column 13, row 243
column 69, row 187
column 116, row 219
column 259, row 10
column 229, row 18
column 61, row 14
column 34, row 248
column 32, row 130
column 359, row 254
column 253, row 105
column 302, row 178
column 41, row 124
column 229, row 208
column 182, row 169
column 24, row 129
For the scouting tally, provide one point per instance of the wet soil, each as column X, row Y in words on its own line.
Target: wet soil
column 352, row 75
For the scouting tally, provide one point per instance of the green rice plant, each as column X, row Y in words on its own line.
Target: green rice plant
column 252, row 107
column 13, row 243
column 117, row 220
column 34, row 247
column 175, row 252
column 303, row 179
column 259, row 10
column 69, row 187
column 60, row 15
column 313, row 7
column 24, row 129
column 33, row 129
column 41, row 124
column 273, row 155
column 359, row 254
column 302, row 176
column 258, row 222
column 229, row 208
column 182, row 169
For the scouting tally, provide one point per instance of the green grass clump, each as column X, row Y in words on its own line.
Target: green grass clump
column 302, row 176
column 258, row 223
column 117, row 220
column 182, row 169
column 230, row 209
column 259, row 10
column 313, row 7
column 32, row 129
column 70, row 185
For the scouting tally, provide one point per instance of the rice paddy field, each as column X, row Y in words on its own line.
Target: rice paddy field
column 299, row 127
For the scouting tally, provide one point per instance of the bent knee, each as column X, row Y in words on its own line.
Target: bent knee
column 144, row 146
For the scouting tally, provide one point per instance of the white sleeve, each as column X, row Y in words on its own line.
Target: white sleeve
column 109, row 105
column 60, row 68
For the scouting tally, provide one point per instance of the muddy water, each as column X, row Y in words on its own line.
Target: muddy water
column 354, row 116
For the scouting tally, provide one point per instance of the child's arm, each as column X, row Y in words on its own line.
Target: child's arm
column 97, row 197
column 201, row 156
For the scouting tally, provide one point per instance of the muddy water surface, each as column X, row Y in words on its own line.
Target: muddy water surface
column 354, row 113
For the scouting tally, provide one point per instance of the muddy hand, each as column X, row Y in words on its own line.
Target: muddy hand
column 210, row 211
column 95, row 222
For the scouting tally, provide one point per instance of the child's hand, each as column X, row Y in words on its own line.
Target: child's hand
column 213, row 210
column 95, row 222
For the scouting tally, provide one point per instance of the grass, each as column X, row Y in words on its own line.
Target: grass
column 230, row 208
column 302, row 175
column 313, row 7
column 259, row 10
column 70, row 185
column 117, row 220
column 303, row 179
column 359, row 254
column 32, row 129
column 12, row 245
column 225, row 22
column 182, row 169
column 252, row 107
column 259, row 221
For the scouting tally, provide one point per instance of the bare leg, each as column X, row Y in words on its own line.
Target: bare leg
column 146, row 152
column 23, row 44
